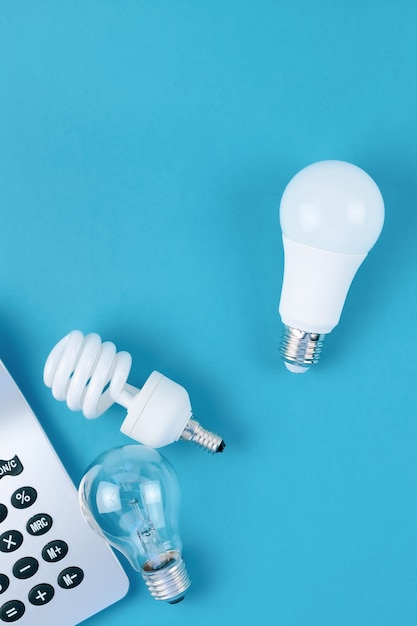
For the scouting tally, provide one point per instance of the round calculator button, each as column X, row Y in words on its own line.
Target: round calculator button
column 41, row 594
column 39, row 524
column 12, row 611
column 4, row 583
column 24, row 497
column 3, row 512
column 70, row 577
column 26, row 567
column 10, row 541
column 55, row 551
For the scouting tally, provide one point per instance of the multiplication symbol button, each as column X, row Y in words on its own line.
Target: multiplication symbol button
column 4, row 583
column 12, row 611
column 3, row 512
column 26, row 567
column 24, row 497
column 70, row 577
column 55, row 551
column 41, row 594
column 10, row 541
column 39, row 524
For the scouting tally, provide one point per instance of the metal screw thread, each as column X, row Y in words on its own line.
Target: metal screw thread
column 194, row 432
column 170, row 582
column 299, row 347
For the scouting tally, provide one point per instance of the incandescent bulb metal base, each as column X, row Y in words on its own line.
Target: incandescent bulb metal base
column 194, row 432
column 300, row 349
column 168, row 583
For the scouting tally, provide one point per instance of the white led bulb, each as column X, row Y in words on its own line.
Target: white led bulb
column 331, row 214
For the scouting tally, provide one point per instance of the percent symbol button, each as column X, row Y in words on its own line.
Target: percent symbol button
column 24, row 497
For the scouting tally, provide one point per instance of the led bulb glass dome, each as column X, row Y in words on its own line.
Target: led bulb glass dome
column 331, row 214
column 130, row 495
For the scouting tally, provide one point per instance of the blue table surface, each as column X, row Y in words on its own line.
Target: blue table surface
column 144, row 148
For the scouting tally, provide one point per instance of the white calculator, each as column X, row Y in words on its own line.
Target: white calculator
column 54, row 570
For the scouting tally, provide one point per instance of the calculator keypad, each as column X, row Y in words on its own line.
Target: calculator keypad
column 27, row 566
column 41, row 523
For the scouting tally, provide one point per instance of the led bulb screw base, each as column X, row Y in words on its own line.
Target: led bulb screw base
column 194, row 432
column 169, row 582
column 300, row 349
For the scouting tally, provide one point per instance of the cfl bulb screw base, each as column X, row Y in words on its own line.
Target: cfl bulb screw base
column 194, row 432
column 168, row 583
column 300, row 349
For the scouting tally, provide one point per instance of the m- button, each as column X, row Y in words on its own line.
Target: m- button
column 70, row 577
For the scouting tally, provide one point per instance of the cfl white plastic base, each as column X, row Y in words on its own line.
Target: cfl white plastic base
column 158, row 414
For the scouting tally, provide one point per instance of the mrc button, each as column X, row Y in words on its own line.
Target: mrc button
column 39, row 524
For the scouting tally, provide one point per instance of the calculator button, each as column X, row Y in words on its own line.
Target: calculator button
column 10, row 541
column 41, row 594
column 4, row 583
column 24, row 497
column 70, row 577
column 12, row 611
column 55, row 551
column 3, row 512
column 11, row 467
column 26, row 567
column 39, row 524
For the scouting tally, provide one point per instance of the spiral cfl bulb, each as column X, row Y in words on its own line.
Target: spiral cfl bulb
column 91, row 375
column 130, row 496
column 331, row 215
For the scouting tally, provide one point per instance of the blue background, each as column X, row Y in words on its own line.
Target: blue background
column 144, row 147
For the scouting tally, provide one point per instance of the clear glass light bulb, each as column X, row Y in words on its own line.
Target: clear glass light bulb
column 130, row 495
column 331, row 214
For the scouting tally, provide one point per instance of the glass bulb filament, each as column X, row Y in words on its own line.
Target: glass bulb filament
column 150, row 541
